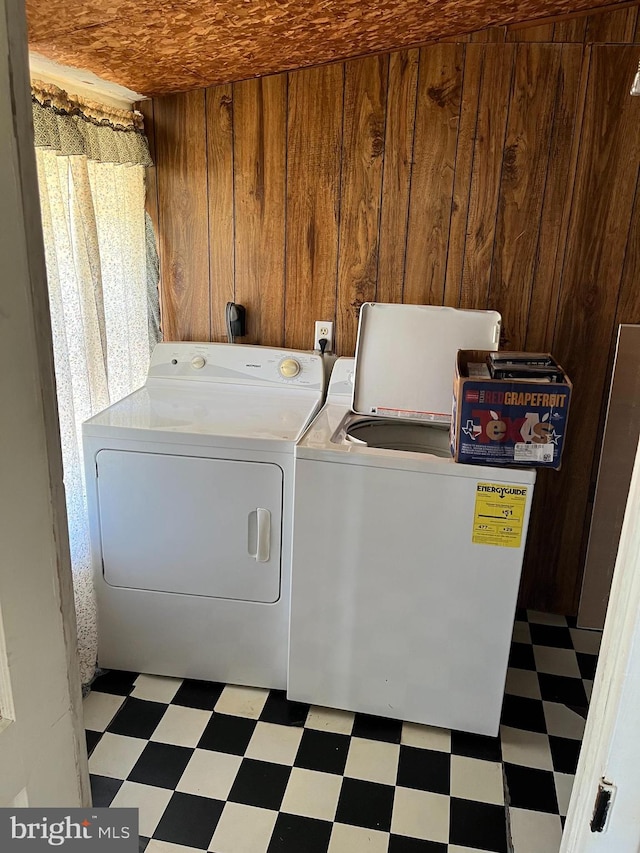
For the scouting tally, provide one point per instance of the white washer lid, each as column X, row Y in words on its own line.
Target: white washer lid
column 405, row 357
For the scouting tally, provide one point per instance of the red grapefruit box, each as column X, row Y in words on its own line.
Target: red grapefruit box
column 507, row 421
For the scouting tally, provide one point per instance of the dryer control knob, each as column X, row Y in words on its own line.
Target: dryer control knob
column 289, row 368
column 198, row 362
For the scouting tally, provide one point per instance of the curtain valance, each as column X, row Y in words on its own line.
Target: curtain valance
column 68, row 124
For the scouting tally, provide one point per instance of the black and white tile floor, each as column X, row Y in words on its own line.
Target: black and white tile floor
column 240, row 770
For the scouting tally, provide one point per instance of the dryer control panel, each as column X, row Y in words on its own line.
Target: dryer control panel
column 237, row 364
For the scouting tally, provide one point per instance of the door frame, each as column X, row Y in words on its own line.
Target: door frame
column 30, row 323
column 610, row 751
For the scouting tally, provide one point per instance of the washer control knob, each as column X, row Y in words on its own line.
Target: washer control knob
column 289, row 368
column 198, row 362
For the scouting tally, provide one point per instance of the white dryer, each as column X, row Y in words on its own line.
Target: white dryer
column 398, row 607
column 190, row 493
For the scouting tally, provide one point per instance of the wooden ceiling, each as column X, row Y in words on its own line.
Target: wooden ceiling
column 160, row 46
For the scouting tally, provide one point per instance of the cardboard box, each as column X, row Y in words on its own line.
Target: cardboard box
column 507, row 421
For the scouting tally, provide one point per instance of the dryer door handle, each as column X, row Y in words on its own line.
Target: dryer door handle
column 260, row 521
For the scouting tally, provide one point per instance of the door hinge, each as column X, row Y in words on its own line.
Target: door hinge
column 602, row 806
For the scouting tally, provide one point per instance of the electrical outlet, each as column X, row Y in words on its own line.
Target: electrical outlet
column 324, row 329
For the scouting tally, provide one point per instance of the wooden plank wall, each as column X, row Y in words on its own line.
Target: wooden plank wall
column 496, row 171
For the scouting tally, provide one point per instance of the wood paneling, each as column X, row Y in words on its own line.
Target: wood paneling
column 474, row 174
column 563, row 150
column 260, row 123
column 365, row 98
column 396, row 178
column 468, row 123
column 490, row 35
column 486, row 171
column 183, row 200
column 525, row 164
column 602, row 206
column 571, row 30
column 314, row 149
column 615, row 27
column 628, row 310
column 434, row 152
column 220, row 174
column 543, row 32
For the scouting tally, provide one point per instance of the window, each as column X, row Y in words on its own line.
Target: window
column 103, row 311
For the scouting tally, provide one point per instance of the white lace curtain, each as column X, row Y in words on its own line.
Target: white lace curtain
column 94, row 234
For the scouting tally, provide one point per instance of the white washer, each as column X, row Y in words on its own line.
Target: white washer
column 190, row 490
column 395, row 610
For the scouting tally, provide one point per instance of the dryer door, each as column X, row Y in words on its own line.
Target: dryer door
column 190, row 525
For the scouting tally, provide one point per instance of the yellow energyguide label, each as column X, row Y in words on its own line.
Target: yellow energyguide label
column 499, row 514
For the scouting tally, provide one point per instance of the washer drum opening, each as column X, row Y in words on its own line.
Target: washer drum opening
column 400, row 435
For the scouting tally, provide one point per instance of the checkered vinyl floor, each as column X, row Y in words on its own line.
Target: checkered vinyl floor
column 241, row 770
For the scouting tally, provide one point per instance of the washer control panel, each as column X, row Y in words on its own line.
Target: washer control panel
column 237, row 364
